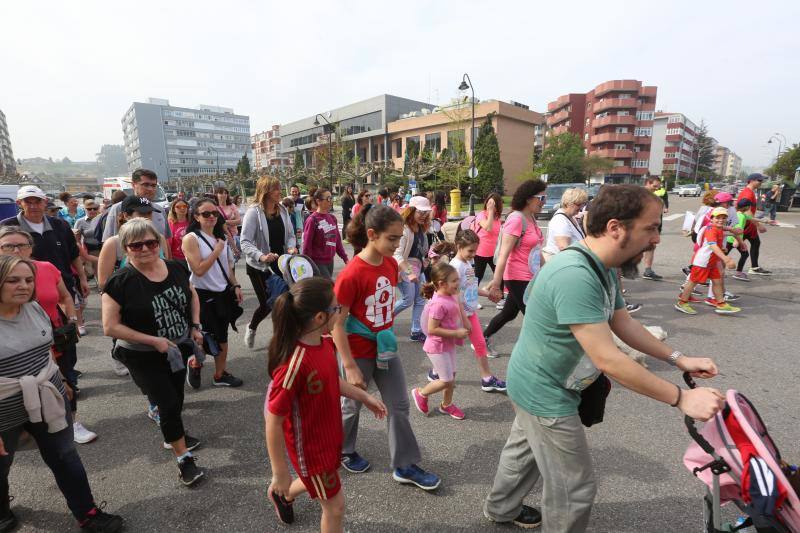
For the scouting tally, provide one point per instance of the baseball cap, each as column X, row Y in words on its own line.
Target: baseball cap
column 755, row 177
column 30, row 191
column 744, row 202
column 719, row 211
column 420, row 203
column 723, row 197
column 139, row 204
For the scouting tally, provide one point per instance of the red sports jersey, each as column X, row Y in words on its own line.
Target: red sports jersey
column 305, row 391
column 369, row 293
column 704, row 256
column 748, row 194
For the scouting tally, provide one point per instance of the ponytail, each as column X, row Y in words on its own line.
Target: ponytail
column 292, row 312
column 439, row 273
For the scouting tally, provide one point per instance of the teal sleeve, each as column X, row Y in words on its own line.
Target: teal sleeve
column 577, row 296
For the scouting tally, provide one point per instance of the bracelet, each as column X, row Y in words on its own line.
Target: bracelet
column 673, row 358
column 680, row 392
column 197, row 326
column 237, row 286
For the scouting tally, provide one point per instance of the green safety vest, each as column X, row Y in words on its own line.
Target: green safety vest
column 660, row 192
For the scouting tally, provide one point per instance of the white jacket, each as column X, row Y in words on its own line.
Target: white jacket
column 406, row 242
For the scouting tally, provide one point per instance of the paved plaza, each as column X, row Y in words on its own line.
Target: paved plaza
column 637, row 450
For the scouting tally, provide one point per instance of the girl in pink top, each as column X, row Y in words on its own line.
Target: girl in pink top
column 487, row 226
column 444, row 317
column 519, row 255
column 178, row 219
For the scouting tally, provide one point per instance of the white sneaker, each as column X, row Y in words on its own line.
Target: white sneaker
column 119, row 368
column 480, row 306
column 500, row 304
column 82, row 435
column 250, row 337
column 492, row 353
column 82, row 330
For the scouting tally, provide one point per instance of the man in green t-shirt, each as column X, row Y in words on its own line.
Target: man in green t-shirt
column 564, row 344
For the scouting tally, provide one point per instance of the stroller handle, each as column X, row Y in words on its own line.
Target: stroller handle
column 689, row 421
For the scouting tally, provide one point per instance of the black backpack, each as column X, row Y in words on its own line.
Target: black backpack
column 100, row 227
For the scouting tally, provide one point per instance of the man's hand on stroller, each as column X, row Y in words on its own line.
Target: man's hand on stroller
column 701, row 403
column 698, row 367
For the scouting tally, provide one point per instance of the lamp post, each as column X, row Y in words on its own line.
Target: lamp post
column 216, row 152
column 780, row 146
column 466, row 83
column 328, row 127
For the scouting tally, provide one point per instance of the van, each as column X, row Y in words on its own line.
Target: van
column 125, row 184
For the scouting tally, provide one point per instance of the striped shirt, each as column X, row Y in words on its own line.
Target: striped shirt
column 25, row 351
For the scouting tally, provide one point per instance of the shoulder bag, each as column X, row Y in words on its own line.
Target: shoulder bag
column 230, row 291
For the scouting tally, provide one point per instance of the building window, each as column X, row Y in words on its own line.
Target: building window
column 412, row 147
column 398, row 148
column 433, row 143
column 585, row 136
column 622, row 129
column 620, row 146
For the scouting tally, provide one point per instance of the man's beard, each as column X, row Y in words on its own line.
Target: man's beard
column 630, row 268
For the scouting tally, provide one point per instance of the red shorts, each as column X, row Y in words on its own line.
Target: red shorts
column 703, row 274
column 323, row 486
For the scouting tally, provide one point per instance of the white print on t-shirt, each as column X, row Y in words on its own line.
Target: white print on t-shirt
column 169, row 318
column 327, row 228
column 380, row 304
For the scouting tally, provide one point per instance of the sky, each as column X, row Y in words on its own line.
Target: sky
column 70, row 70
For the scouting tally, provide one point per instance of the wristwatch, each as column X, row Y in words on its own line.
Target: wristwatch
column 198, row 327
column 673, row 358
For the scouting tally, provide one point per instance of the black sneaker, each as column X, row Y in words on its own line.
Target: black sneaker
column 528, row 518
column 686, row 270
column 418, row 336
column 189, row 473
column 633, row 308
column 194, row 374
column 283, row 507
column 7, row 519
column 227, row 380
column 191, row 443
column 97, row 520
column 651, row 275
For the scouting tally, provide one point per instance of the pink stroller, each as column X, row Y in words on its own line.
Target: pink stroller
column 736, row 458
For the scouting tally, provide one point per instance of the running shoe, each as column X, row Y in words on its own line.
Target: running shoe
column 695, row 290
column 730, row 297
column 492, row 384
column 414, row 475
column 77, row 373
column 491, row 352
column 191, row 443
column 283, row 507
column 8, row 521
column 417, row 336
column 759, row 271
column 500, row 304
column 188, row 471
column 453, row 411
column 119, row 368
column 194, row 373
column 686, row 270
column 249, row 337
column 684, row 307
column 726, row 309
column 152, row 414
column 692, row 299
column 432, row 376
column 711, row 301
column 420, row 401
column 651, row 275
column 227, row 380
column 528, row 518
column 98, row 520
column 632, row 308
column 82, row 331
column 480, row 307
column 81, row 435
column 741, row 276
column 354, row 463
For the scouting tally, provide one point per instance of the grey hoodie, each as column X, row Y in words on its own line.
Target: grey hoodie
column 255, row 235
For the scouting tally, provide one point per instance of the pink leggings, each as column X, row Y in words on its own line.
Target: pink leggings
column 476, row 336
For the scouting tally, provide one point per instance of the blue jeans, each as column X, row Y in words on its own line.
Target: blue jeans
column 412, row 295
column 59, row 454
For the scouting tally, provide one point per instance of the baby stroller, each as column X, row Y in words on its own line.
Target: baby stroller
column 738, row 461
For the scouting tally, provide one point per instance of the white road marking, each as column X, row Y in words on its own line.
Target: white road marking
column 785, row 225
column 676, row 216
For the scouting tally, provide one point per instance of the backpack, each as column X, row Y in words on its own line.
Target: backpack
column 100, row 227
column 535, row 256
column 470, row 222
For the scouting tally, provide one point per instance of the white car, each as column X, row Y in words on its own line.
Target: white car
column 688, row 190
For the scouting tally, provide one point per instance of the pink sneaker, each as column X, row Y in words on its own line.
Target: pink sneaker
column 453, row 411
column 420, row 401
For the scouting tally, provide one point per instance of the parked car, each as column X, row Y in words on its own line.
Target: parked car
column 688, row 190
column 553, row 200
column 594, row 188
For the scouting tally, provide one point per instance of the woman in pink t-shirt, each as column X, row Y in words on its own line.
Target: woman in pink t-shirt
column 178, row 219
column 515, row 265
column 487, row 226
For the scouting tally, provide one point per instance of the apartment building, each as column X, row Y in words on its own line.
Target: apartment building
column 8, row 165
column 674, row 146
column 726, row 162
column 614, row 120
column 267, row 150
column 180, row 142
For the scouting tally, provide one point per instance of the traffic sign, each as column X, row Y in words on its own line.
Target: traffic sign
column 412, row 183
column 473, row 172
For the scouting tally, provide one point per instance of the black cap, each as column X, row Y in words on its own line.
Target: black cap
column 755, row 177
column 139, row 204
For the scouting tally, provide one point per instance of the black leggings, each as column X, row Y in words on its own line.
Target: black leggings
column 742, row 256
column 755, row 246
column 481, row 263
column 258, row 278
column 66, row 364
column 513, row 305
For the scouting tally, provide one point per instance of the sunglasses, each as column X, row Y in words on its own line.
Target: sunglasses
column 334, row 309
column 541, row 197
column 181, row 206
column 208, row 214
column 92, row 208
column 151, row 244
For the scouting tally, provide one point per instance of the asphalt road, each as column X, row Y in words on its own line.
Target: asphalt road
column 637, row 451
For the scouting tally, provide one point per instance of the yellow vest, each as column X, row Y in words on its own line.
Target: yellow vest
column 660, row 192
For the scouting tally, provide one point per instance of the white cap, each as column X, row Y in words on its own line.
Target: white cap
column 420, row 203
column 30, row 191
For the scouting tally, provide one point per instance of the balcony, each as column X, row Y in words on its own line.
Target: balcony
column 615, row 103
column 621, row 170
column 558, row 104
column 614, row 154
column 561, row 116
column 614, row 120
column 675, row 137
column 612, row 138
column 628, row 86
column 639, row 171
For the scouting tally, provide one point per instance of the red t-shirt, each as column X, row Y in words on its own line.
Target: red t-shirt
column 750, row 195
column 305, row 391
column 369, row 293
column 178, row 230
column 46, row 279
column 705, row 256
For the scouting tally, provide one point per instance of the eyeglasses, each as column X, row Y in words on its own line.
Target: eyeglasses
column 541, row 197
column 181, row 207
column 334, row 309
column 14, row 247
column 151, row 244
column 208, row 214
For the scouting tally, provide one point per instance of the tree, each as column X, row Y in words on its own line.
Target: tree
column 243, row 167
column 487, row 161
column 705, row 154
column 562, row 159
column 299, row 164
column 786, row 164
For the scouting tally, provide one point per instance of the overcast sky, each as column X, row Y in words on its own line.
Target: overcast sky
column 69, row 70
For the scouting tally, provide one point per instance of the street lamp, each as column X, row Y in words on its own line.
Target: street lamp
column 327, row 128
column 780, row 146
column 472, row 173
column 216, row 152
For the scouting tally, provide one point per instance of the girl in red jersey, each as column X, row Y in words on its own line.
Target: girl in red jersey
column 367, row 345
column 302, row 412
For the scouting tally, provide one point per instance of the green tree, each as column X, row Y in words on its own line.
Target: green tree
column 786, row 164
column 562, row 159
column 298, row 162
column 487, row 161
column 243, row 167
column 705, row 154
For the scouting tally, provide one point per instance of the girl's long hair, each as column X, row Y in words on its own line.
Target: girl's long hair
column 409, row 219
column 264, row 185
column 498, row 205
column 439, row 273
column 194, row 225
column 173, row 214
column 291, row 314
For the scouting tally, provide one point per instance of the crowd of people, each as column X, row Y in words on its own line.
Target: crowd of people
column 170, row 296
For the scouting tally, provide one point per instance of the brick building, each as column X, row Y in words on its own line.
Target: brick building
column 674, row 146
column 267, row 150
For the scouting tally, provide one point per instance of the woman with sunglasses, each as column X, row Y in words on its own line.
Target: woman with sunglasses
column 519, row 256
column 178, row 219
column 153, row 312
column 321, row 238
column 211, row 263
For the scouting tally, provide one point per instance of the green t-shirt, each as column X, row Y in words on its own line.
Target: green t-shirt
column 741, row 220
column 548, row 367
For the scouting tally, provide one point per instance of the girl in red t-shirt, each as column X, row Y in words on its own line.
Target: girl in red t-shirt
column 367, row 345
column 302, row 412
